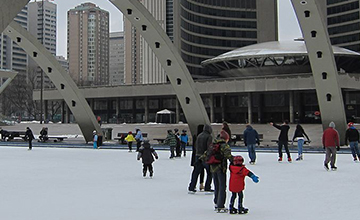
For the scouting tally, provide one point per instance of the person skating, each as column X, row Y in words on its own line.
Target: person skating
column 147, row 153
column 203, row 141
column 130, row 139
column 171, row 141
column 352, row 137
column 95, row 140
column 238, row 172
column 251, row 138
column 29, row 136
column 283, row 139
column 139, row 138
column 330, row 141
column 184, row 139
column 217, row 156
column 300, row 135
column 178, row 143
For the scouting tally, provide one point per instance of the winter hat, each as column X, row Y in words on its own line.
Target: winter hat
column 350, row 124
column 332, row 125
column 130, row 132
column 238, row 160
column 94, row 132
column 224, row 135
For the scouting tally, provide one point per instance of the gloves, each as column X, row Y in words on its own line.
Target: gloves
column 254, row 178
column 258, row 143
column 337, row 148
column 156, row 157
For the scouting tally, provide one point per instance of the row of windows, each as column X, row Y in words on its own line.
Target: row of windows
column 218, row 32
column 202, row 50
column 217, row 22
column 345, row 39
column 218, row 12
column 229, row 3
column 344, row 29
column 331, row 2
column 215, row 42
column 343, row 18
column 343, row 8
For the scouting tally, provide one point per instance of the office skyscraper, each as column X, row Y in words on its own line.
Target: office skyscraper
column 209, row 28
column 141, row 64
column 88, row 44
column 42, row 24
column 116, row 58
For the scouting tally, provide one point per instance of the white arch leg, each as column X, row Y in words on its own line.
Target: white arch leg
column 10, row 75
column 170, row 60
column 322, row 64
column 63, row 82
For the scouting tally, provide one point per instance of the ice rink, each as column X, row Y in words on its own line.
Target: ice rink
column 88, row 184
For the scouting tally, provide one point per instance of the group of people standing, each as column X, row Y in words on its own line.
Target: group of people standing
column 177, row 142
column 212, row 154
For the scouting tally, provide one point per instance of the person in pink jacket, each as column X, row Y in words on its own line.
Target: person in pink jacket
column 330, row 141
column 238, row 172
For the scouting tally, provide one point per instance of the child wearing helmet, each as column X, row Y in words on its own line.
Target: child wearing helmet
column 238, row 172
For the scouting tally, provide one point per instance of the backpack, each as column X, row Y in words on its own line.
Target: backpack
column 213, row 154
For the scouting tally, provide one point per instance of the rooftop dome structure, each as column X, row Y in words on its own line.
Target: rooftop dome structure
column 276, row 57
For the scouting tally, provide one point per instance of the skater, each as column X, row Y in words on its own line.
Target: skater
column 225, row 127
column 95, row 139
column 171, row 141
column 184, row 139
column 203, row 141
column 29, row 136
column 139, row 138
column 217, row 155
column 192, row 163
column 352, row 136
column 146, row 153
column 251, row 138
column 299, row 136
column 330, row 140
column 178, row 143
column 130, row 139
column 43, row 134
column 238, row 172
column 283, row 139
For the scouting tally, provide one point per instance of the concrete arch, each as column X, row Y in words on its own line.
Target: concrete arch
column 170, row 60
column 10, row 75
column 63, row 82
column 322, row 62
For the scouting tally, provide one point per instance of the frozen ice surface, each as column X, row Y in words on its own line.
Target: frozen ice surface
column 87, row 184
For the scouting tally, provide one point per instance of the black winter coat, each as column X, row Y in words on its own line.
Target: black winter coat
column 351, row 135
column 284, row 130
column 203, row 140
column 146, row 153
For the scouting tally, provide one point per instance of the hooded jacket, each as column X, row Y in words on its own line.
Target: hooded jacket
column 330, row 138
column 237, row 178
column 203, row 140
column 250, row 136
column 146, row 152
column 351, row 135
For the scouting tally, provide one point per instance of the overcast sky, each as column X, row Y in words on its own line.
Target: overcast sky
column 288, row 26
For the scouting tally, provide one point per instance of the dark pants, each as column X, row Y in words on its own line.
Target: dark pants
column 130, row 145
column 172, row 151
column 183, row 148
column 233, row 197
column 178, row 150
column 285, row 144
column 220, row 189
column 30, row 144
column 148, row 167
column 138, row 145
column 199, row 167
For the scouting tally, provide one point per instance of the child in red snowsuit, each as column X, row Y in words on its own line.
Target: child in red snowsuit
column 238, row 172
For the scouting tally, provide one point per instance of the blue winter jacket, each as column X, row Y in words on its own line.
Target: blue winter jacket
column 250, row 136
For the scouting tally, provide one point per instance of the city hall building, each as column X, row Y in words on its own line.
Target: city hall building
column 259, row 83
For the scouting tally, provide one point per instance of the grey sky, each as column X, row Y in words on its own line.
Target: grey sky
column 288, row 26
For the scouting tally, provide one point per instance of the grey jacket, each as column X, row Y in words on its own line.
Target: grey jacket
column 204, row 140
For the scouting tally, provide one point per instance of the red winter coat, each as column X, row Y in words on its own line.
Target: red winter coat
column 330, row 138
column 237, row 178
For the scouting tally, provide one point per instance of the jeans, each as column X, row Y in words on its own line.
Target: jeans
column 300, row 143
column 233, row 197
column 354, row 146
column 199, row 167
column 183, row 148
column 252, row 153
column 285, row 144
column 330, row 156
column 220, row 188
